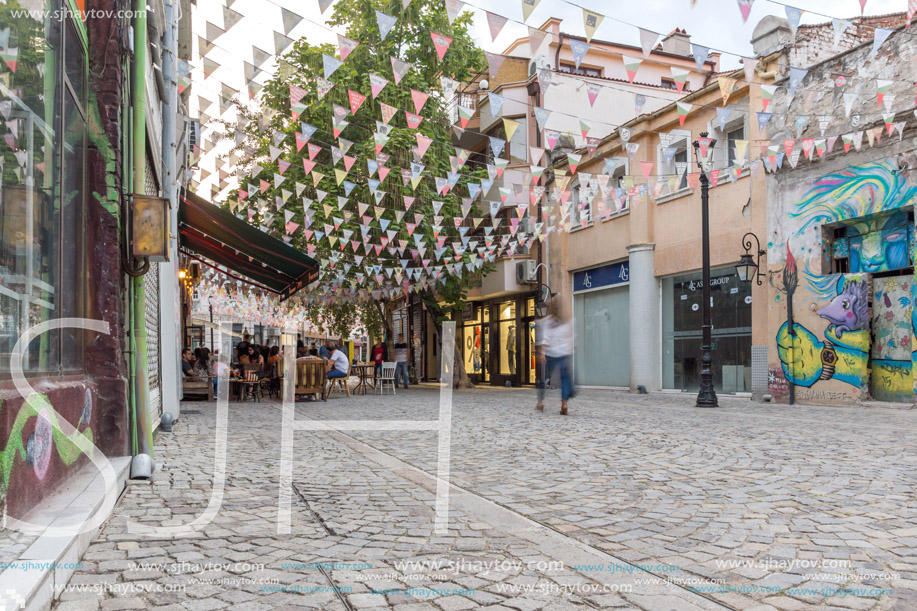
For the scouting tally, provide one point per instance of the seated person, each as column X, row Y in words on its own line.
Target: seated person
column 313, row 351
column 337, row 365
column 187, row 360
column 324, row 350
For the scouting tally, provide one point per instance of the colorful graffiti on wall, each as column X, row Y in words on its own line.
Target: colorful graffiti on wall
column 830, row 348
column 36, row 448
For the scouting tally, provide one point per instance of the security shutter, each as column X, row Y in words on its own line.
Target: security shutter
column 151, row 284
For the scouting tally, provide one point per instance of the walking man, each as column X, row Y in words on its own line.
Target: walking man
column 554, row 347
column 401, row 361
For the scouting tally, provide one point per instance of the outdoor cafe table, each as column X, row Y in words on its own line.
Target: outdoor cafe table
column 365, row 372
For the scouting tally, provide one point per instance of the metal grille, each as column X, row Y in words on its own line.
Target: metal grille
column 416, row 339
column 758, row 372
column 151, row 284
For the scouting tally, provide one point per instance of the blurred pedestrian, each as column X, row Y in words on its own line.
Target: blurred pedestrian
column 401, row 361
column 554, row 348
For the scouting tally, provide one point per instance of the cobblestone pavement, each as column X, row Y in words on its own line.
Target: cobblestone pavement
column 637, row 502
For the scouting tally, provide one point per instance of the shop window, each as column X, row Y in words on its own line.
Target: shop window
column 43, row 187
column 508, row 338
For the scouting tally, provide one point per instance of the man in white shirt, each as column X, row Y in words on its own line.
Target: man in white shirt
column 337, row 365
column 554, row 347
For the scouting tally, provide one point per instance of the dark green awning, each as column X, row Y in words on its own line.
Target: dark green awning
column 216, row 234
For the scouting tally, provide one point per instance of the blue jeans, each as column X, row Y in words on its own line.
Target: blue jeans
column 566, row 377
column 336, row 373
column 401, row 370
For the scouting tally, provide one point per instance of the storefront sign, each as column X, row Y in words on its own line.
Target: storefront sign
column 608, row 275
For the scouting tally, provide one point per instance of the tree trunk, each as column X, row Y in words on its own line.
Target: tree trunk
column 460, row 377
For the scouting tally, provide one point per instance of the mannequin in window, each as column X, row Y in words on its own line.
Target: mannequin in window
column 511, row 349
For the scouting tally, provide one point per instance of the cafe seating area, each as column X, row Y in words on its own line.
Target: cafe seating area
column 253, row 381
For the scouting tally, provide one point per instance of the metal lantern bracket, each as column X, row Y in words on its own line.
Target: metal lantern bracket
column 747, row 257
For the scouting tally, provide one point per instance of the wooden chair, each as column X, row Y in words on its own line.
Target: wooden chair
column 251, row 381
column 197, row 386
column 340, row 384
column 273, row 378
column 310, row 377
column 388, row 375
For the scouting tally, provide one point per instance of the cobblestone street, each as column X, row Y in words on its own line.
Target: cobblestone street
column 631, row 501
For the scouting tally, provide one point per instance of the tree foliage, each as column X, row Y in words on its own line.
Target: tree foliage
column 355, row 281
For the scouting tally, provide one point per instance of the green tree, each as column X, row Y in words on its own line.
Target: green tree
column 351, row 276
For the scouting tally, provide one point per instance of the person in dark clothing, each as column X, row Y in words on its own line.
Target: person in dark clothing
column 187, row 360
column 242, row 347
column 401, row 361
column 300, row 349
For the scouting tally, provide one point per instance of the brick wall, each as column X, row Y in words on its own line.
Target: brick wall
column 815, row 43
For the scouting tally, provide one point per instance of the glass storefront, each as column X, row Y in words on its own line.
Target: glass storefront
column 42, row 190
column 497, row 338
column 601, row 321
column 682, row 317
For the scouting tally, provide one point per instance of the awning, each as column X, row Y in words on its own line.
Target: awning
column 217, row 235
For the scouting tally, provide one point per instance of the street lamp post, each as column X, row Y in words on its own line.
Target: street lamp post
column 706, row 397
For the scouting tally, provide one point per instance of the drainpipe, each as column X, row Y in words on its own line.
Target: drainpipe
column 168, row 278
column 144, row 433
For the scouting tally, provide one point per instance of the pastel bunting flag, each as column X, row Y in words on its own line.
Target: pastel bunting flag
column 881, row 35
column 592, row 90
column 541, row 116
column 441, row 43
column 494, row 62
column 727, row 86
column 385, row 22
column 536, row 40
column 749, row 65
column 387, row 112
column 839, row 25
column 680, row 76
column 579, row 49
column 330, row 64
column 346, row 46
column 527, row 7
column 419, row 98
column 413, row 120
column 510, row 128
column 683, row 109
column 591, row 22
column 647, row 41
column 453, row 8
column 745, row 8
column 323, row 87
column 631, row 65
column 356, row 100
column 495, row 23
column 377, row 84
column 700, row 53
column 399, row 68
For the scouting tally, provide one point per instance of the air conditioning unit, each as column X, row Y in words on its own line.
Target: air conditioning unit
column 525, row 272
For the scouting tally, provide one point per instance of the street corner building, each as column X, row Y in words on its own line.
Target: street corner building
column 93, row 130
column 840, row 237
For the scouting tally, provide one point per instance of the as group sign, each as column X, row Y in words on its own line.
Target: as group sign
column 601, row 277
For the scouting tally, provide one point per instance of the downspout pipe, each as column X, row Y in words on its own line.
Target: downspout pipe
column 168, row 280
column 141, row 465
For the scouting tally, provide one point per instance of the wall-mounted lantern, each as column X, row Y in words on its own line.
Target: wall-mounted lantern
column 150, row 228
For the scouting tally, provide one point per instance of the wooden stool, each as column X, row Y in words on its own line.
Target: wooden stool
column 340, row 383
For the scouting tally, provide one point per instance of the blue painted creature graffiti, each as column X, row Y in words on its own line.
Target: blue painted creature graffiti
column 849, row 310
column 876, row 244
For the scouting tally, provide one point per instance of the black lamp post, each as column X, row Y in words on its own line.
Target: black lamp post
column 706, row 397
column 748, row 268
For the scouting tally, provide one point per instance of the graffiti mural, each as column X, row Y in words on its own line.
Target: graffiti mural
column 829, row 341
column 34, row 439
column 890, row 378
column 844, row 337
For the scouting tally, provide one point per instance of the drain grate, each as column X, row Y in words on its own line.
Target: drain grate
column 191, row 412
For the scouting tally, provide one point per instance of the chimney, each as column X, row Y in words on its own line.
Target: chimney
column 771, row 33
column 678, row 42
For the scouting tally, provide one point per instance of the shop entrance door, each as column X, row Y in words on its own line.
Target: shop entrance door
column 890, row 376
